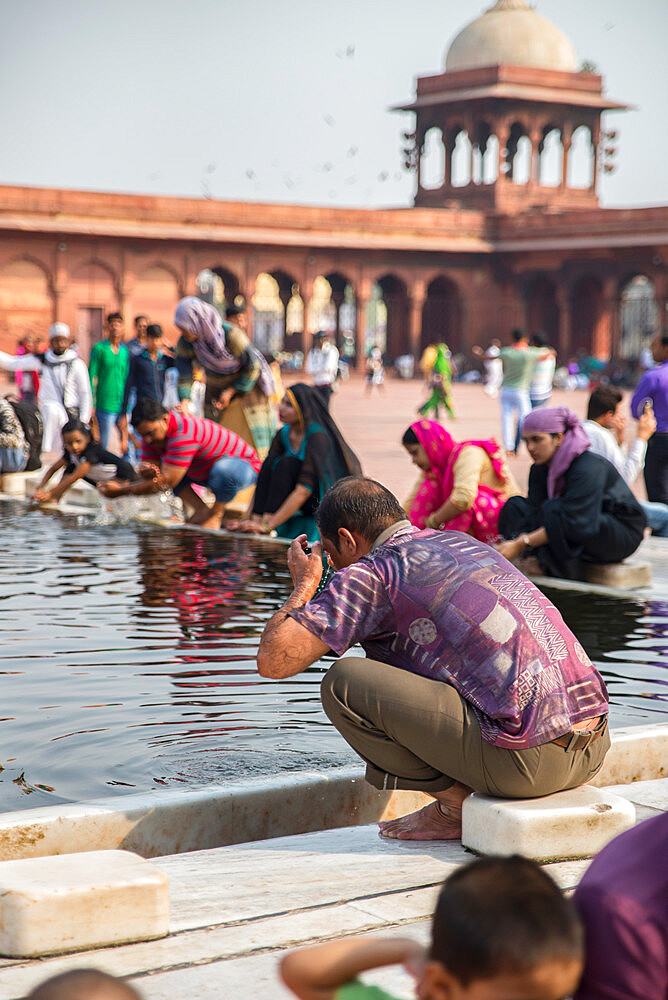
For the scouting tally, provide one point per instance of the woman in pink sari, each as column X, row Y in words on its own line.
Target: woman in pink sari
column 465, row 483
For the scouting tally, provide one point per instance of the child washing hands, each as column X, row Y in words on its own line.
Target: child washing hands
column 82, row 459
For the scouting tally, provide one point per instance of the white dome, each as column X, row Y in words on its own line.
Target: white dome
column 513, row 34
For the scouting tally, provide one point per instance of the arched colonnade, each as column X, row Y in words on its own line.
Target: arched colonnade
column 463, row 152
column 580, row 308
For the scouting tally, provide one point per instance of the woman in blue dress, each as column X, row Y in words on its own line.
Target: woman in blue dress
column 307, row 456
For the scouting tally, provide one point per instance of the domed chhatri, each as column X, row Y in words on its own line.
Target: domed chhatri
column 511, row 33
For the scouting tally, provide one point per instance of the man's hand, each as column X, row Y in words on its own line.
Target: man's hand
column 646, row 425
column 224, row 399
column 512, row 549
column 305, row 568
column 41, row 496
column 148, row 471
column 110, row 489
column 251, row 525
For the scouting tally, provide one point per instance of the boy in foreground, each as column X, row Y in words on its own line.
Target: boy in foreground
column 502, row 930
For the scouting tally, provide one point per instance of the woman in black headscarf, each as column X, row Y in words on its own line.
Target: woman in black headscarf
column 306, row 457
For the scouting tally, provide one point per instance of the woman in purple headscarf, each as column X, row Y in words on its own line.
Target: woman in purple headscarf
column 239, row 382
column 579, row 509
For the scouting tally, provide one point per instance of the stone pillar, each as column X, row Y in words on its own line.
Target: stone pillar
column 337, row 299
column 58, row 287
column 503, row 135
column 416, row 300
column 566, row 140
column 616, row 327
column 563, row 297
column 604, row 330
column 534, row 172
column 595, row 141
column 361, row 303
column 448, row 146
column 419, row 150
column 306, row 293
column 190, row 272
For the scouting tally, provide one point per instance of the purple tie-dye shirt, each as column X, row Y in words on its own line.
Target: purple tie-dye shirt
column 441, row 604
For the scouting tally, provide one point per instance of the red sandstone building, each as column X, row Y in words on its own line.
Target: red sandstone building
column 506, row 228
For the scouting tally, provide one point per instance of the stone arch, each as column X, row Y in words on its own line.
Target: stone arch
column 394, row 296
column 156, row 294
column 231, row 283
column 92, row 292
column 432, row 163
column 278, row 312
column 26, row 301
column 638, row 315
column 587, row 314
column 490, row 161
column 518, row 153
column 460, row 171
column 344, row 299
column 550, row 157
column 442, row 314
column 322, row 312
column 581, row 159
column 268, row 314
column 543, row 308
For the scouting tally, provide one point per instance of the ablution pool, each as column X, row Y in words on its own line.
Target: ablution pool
column 127, row 656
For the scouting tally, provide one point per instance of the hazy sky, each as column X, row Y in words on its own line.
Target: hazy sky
column 269, row 100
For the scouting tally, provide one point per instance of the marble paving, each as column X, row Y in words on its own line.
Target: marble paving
column 234, row 910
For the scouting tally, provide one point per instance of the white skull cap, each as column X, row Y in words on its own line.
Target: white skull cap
column 59, row 330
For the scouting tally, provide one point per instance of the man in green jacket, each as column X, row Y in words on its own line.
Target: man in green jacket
column 108, row 368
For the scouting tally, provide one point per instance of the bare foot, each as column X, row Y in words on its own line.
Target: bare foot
column 430, row 823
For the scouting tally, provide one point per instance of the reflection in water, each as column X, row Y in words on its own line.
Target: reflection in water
column 128, row 660
column 628, row 642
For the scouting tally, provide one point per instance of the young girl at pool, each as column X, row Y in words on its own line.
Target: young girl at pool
column 82, row 459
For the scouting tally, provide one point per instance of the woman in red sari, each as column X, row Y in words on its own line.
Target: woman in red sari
column 465, row 484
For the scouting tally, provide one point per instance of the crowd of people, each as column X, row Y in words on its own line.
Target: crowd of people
column 471, row 680
column 201, row 416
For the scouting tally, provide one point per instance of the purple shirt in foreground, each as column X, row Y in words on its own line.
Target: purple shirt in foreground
column 623, row 901
column 441, row 604
column 654, row 386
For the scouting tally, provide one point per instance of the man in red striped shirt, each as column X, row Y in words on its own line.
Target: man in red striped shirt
column 179, row 450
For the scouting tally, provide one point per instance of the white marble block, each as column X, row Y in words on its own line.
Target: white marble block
column 567, row 825
column 627, row 575
column 70, row 902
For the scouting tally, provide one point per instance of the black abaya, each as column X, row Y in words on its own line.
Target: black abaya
column 596, row 519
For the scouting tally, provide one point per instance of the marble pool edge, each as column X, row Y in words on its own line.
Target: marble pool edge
column 174, row 821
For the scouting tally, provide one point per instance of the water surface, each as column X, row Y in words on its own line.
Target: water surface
column 127, row 661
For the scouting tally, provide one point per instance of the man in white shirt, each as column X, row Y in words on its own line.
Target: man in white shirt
column 322, row 364
column 605, row 426
column 64, row 386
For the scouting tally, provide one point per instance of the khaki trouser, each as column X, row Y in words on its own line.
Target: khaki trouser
column 417, row 733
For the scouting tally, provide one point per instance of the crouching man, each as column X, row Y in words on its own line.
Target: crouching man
column 179, row 450
column 471, row 680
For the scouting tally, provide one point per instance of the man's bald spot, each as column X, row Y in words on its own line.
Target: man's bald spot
column 84, row 984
